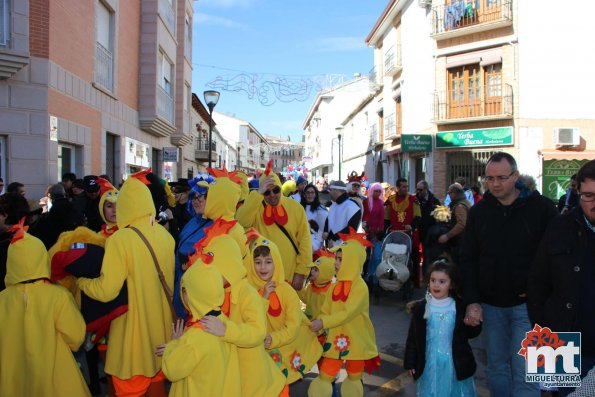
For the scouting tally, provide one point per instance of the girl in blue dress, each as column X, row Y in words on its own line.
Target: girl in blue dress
column 438, row 354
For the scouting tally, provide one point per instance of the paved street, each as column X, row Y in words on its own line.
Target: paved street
column 391, row 323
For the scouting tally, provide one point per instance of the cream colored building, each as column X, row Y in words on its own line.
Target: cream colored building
column 94, row 87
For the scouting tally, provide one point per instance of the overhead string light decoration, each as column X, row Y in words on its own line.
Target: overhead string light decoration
column 268, row 88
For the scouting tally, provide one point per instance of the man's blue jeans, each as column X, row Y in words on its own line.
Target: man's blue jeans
column 504, row 328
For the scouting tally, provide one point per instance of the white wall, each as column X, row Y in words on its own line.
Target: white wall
column 556, row 59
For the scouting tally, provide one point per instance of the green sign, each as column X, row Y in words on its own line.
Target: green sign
column 416, row 143
column 500, row 136
column 556, row 176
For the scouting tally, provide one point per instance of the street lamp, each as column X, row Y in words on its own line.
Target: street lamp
column 211, row 99
column 339, row 131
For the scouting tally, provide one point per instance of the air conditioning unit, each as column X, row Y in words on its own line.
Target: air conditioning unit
column 567, row 136
column 424, row 3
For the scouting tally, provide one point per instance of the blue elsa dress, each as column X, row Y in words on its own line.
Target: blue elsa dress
column 439, row 378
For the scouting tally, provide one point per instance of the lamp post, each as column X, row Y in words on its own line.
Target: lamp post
column 211, row 99
column 339, row 131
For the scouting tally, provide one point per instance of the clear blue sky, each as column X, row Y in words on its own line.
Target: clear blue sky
column 244, row 48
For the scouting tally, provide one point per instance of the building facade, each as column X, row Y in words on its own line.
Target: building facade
column 109, row 99
column 285, row 153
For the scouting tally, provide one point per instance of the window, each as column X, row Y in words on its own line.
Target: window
column 493, row 83
column 187, row 96
column 166, row 76
column 389, row 126
column 188, row 37
column 66, row 158
column 464, row 91
column 4, row 22
column 110, row 157
column 104, row 58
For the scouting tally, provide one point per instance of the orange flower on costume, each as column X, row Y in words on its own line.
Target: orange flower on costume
column 276, row 357
column 341, row 343
column 296, row 363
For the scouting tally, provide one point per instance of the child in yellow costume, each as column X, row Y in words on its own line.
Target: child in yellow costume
column 222, row 199
column 351, row 336
column 246, row 324
column 41, row 326
column 289, row 341
column 319, row 284
column 134, row 335
column 271, row 219
column 195, row 361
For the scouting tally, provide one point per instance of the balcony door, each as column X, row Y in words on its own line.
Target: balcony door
column 464, row 99
column 493, row 89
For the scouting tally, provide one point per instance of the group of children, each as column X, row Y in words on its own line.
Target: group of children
column 245, row 333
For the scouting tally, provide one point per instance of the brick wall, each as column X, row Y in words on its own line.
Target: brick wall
column 39, row 23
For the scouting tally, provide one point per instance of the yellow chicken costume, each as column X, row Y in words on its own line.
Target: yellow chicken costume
column 293, row 347
column 196, row 363
column 147, row 324
column 314, row 293
column 41, row 326
column 296, row 247
column 222, row 200
column 246, row 326
column 245, row 188
column 346, row 316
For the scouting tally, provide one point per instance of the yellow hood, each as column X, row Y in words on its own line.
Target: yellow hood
column 256, row 240
column 244, row 188
column 289, row 188
column 27, row 257
column 134, row 203
column 224, row 195
column 326, row 268
column 204, row 289
column 353, row 248
column 108, row 193
column 269, row 171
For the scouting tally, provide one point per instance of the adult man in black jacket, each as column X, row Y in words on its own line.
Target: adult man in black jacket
column 501, row 238
column 560, row 293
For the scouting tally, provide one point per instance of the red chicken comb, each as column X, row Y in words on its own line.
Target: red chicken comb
column 353, row 235
column 219, row 228
column 19, row 230
column 324, row 252
column 223, row 173
column 269, row 168
column 104, row 185
column 142, row 176
column 251, row 234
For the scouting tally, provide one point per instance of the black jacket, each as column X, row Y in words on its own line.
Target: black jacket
column 499, row 245
column 562, row 279
column 426, row 206
column 462, row 355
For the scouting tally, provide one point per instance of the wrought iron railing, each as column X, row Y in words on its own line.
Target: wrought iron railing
column 104, row 67
column 165, row 104
column 392, row 60
column 374, row 134
column 458, row 14
column 484, row 101
column 204, row 145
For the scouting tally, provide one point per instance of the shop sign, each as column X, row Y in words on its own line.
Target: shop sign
column 500, row 136
column 416, row 143
column 556, row 176
column 137, row 153
column 170, row 154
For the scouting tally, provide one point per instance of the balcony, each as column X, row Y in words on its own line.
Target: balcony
column 14, row 40
column 390, row 128
column 463, row 17
column 392, row 61
column 374, row 135
column 201, row 150
column 375, row 79
column 104, row 67
column 484, row 103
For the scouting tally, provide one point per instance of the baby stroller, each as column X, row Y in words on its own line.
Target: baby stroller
column 393, row 271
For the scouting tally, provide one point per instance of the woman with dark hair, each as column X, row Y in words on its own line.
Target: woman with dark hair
column 316, row 214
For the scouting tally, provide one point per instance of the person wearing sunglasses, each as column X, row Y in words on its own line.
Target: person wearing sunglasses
column 283, row 221
column 560, row 292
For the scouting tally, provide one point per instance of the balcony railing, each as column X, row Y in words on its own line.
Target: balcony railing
column 374, row 134
column 459, row 14
column 165, row 105
column 486, row 102
column 169, row 16
column 390, row 127
column 201, row 150
column 104, row 67
column 204, row 145
column 392, row 61
column 373, row 76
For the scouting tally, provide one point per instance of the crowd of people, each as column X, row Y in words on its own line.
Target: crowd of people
column 228, row 284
